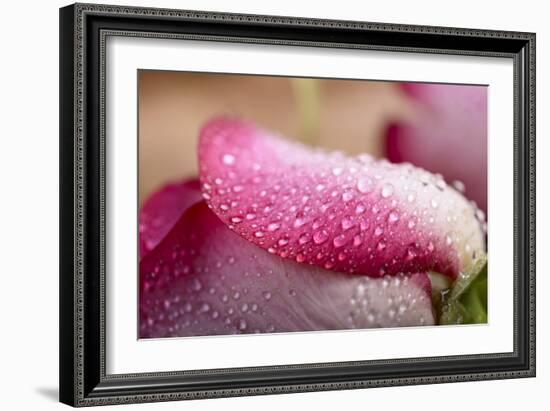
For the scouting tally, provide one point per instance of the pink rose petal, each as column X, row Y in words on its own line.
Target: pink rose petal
column 203, row 279
column 348, row 214
column 449, row 135
column 161, row 211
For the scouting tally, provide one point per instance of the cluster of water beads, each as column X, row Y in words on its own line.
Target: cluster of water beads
column 400, row 308
column 329, row 199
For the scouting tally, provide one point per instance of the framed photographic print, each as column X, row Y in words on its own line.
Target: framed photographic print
column 260, row 204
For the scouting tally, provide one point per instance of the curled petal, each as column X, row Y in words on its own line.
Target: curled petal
column 348, row 214
column 448, row 135
column 203, row 279
column 161, row 211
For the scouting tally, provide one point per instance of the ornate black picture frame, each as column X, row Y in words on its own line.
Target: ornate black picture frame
column 83, row 30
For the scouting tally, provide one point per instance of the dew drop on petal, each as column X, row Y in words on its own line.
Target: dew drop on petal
column 459, row 186
column 339, row 240
column 282, row 241
column 387, row 190
column 393, row 217
column 347, row 196
column 319, row 237
column 242, row 324
column 273, row 226
column 364, row 184
column 228, row 159
column 360, row 208
column 347, row 223
column 337, row 171
column 304, row 238
column 266, row 295
column 300, row 221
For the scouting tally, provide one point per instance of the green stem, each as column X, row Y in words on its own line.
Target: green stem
column 466, row 301
column 307, row 95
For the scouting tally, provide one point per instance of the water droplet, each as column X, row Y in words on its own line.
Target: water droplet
column 480, row 215
column 218, row 181
column 342, row 256
column 236, row 295
column 360, row 208
column 258, row 234
column 329, row 265
column 320, row 187
column 393, row 217
column 411, row 254
column 271, row 250
column 434, row 203
column 236, row 220
column 337, row 171
column 244, row 307
column 318, row 222
column 410, row 197
column 440, row 183
column 266, row 295
column 300, row 258
column 411, row 223
column 250, row 216
column 238, row 188
column 448, row 240
column 300, row 221
column 340, row 240
column 254, row 307
column 273, row 226
column 292, row 292
column 196, row 285
column 431, row 247
column 387, row 190
column 364, row 184
column 205, row 308
column 225, row 298
column 242, row 324
column 231, row 260
column 380, row 246
column 228, row 159
column 319, row 237
column 188, row 307
column 282, row 241
column 347, row 196
column 304, row 238
column 224, row 207
column 347, row 223
column 378, row 231
column 459, row 186
column 357, row 240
